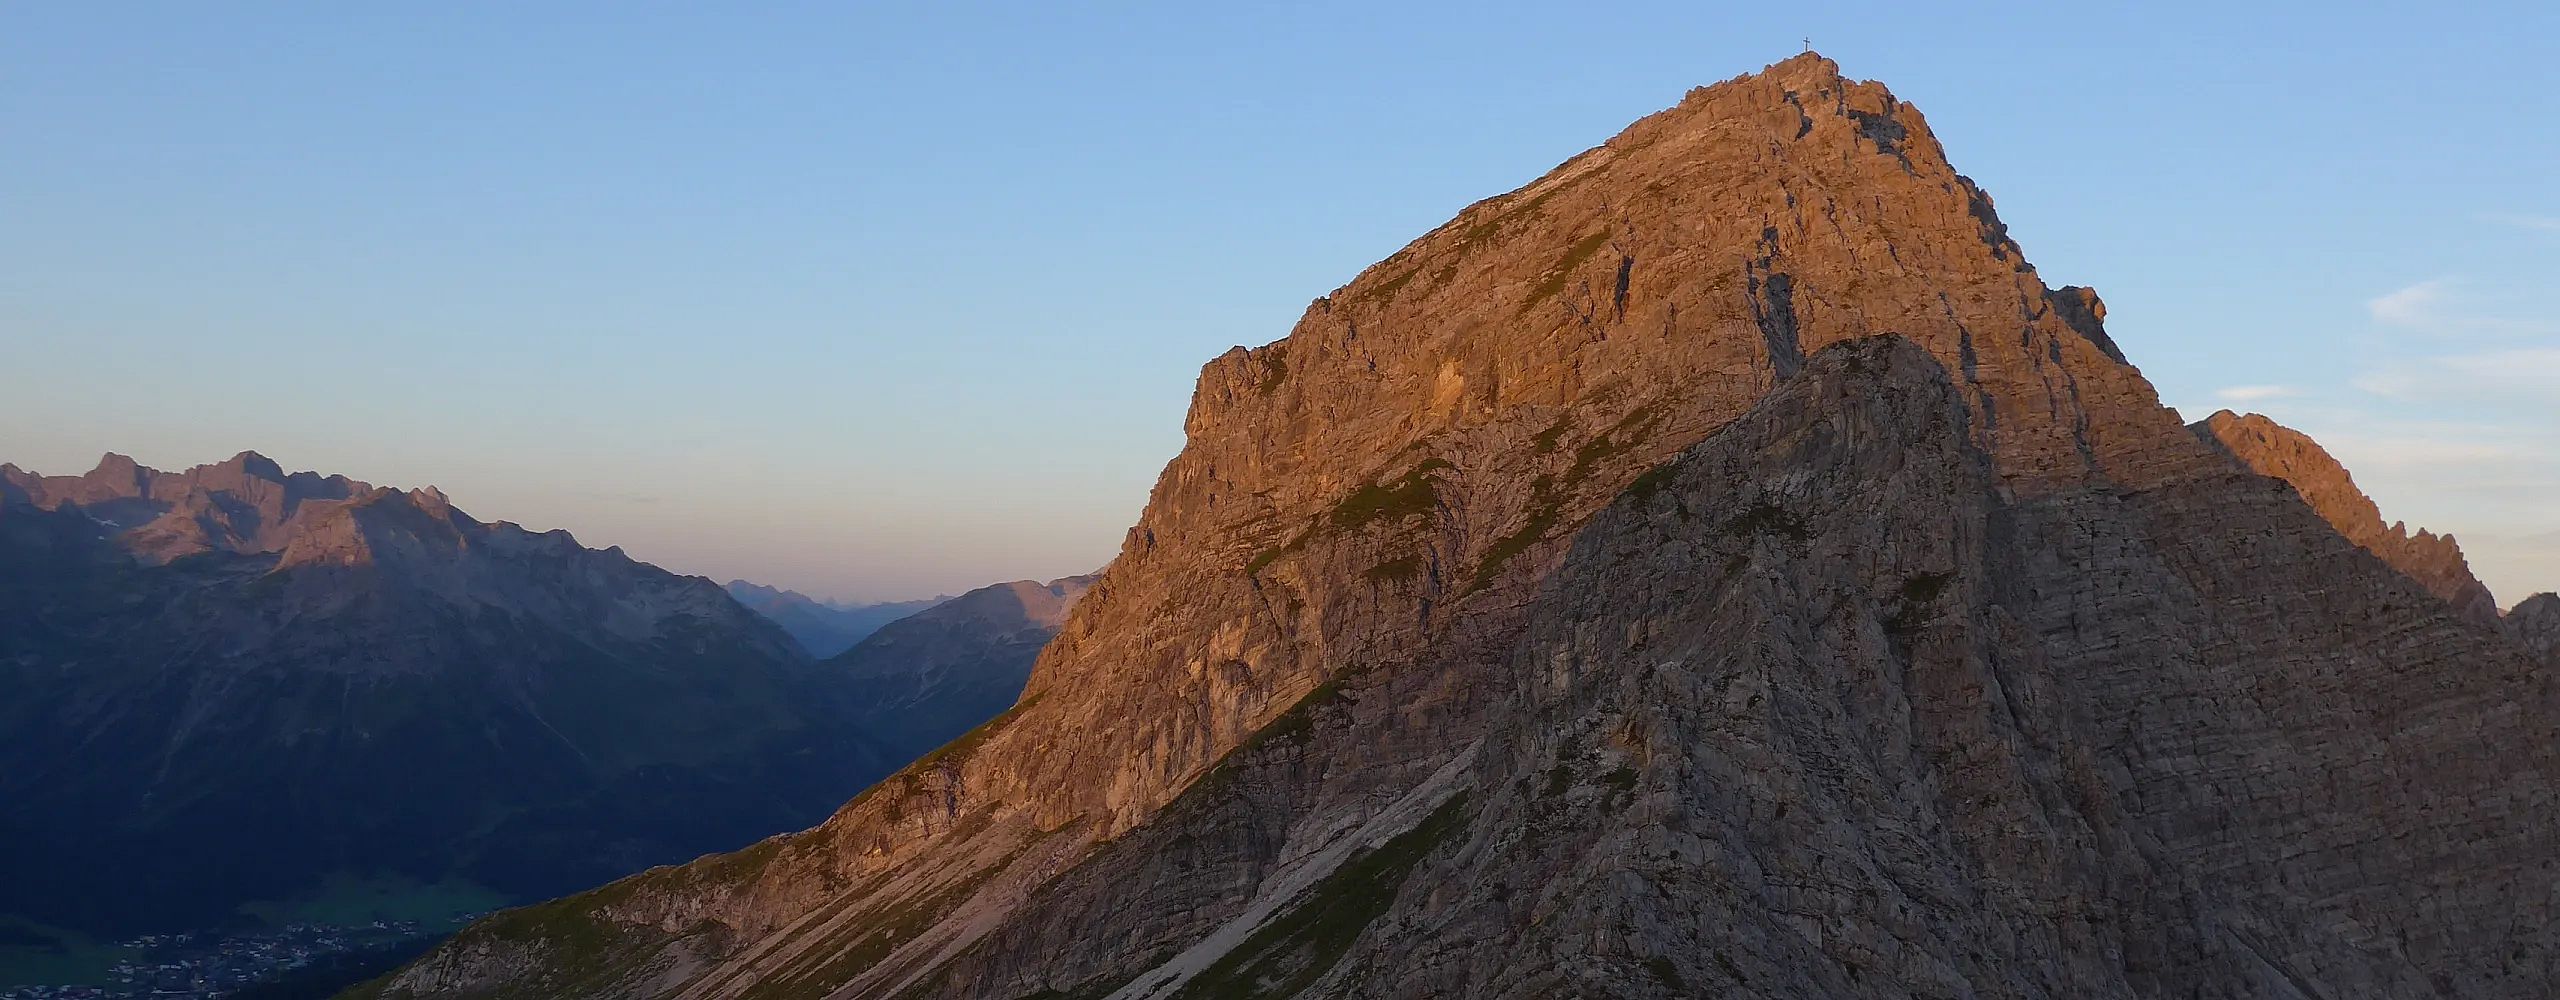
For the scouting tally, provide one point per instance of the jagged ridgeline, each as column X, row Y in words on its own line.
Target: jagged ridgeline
column 1722, row 567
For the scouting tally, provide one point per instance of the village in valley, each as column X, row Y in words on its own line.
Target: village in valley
column 205, row 965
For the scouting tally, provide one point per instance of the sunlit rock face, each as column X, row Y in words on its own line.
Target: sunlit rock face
column 1720, row 567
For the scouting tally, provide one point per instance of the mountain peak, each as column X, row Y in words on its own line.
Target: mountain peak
column 1805, row 71
column 1717, row 529
column 118, row 475
column 255, row 464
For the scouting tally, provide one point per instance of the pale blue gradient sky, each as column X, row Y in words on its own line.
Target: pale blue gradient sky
column 889, row 299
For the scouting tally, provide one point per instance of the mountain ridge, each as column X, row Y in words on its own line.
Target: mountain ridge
column 2268, row 448
column 241, row 504
column 823, row 628
column 384, row 686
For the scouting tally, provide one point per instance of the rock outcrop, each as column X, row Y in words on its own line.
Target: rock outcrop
column 2271, row 449
column 2535, row 622
column 1721, row 566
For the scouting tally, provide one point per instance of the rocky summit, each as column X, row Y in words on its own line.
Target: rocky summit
column 1721, row 567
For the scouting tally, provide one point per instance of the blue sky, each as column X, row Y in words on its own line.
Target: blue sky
column 879, row 300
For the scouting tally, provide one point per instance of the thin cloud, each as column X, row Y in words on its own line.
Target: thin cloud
column 2254, row 393
column 2545, row 223
column 2528, row 375
column 2426, row 451
column 2414, row 306
column 2448, row 307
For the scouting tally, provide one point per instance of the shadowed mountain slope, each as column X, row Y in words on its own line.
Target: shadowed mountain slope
column 2535, row 621
column 2272, row 449
column 232, row 685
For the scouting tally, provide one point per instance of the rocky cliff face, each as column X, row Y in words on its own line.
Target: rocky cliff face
column 332, row 680
column 2274, row 450
column 1722, row 565
column 2535, row 622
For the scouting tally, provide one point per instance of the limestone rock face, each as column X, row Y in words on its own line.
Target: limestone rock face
column 2271, row 449
column 1721, row 566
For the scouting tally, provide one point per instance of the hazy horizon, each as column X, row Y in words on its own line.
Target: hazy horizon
column 887, row 304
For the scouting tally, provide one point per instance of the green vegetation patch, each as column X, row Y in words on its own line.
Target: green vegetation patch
column 1925, row 587
column 1414, row 495
column 580, row 948
column 1547, row 496
column 1562, row 271
column 1483, row 230
column 1767, row 518
column 1559, row 778
column 1540, row 522
column 740, row 866
column 346, row 898
column 958, row 750
column 1546, row 439
column 1653, row 481
column 1617, row 440
column 1262, row 560
column 1399, row 570
column 1296, row 948
column 1919, row 594
column 1298, row 722
column 37, row 953
column 1666, row 973
column 1275, row 371
column 1389, row 287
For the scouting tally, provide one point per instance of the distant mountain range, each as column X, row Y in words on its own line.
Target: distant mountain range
column 236, row 687
column 923, row 680
column 823, row 628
